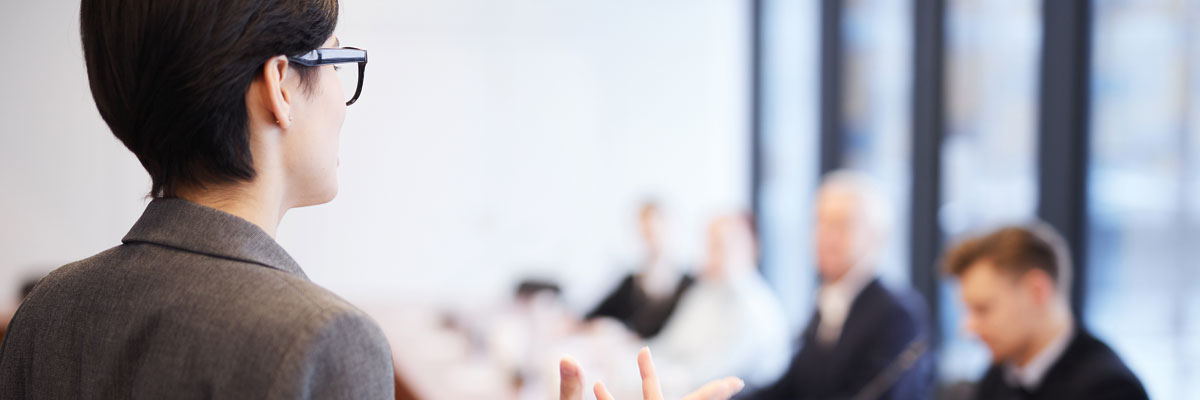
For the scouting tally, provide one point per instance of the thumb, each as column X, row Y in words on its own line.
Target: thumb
column 721, row 389
column 570, row 386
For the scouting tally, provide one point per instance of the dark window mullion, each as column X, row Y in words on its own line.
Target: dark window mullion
column 1063, row 130
column 831, row 87
column 928, row 125
column 756, row 116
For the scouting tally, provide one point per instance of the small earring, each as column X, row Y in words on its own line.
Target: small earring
column 289, row 120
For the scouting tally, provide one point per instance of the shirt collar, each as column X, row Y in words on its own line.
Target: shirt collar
column 841, row 294
column 1030, row 376
column 834, row 301
column 188, row 226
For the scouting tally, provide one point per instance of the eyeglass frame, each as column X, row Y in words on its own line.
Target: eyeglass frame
column 339, row 55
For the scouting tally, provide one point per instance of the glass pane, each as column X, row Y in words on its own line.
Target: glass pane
column 348, row 75
column 989, row 155
column 877, row 37
column 1143, row 190
column 788, row 149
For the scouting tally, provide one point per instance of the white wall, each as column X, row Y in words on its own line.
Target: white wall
column 495, row 139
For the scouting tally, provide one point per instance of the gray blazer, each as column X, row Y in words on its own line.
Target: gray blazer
column 195, row 303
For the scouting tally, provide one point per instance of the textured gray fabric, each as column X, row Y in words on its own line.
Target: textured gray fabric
column 196, row 303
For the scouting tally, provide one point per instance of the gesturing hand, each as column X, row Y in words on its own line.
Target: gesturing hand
column 571, row 383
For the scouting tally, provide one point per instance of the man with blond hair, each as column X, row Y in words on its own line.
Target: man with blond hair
column 1014, row 283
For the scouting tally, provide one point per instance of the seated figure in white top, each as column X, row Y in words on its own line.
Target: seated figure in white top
column 729, row 323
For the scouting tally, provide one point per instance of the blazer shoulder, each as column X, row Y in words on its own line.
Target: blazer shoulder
column 344, row 355
column 991, row 385
column 892, row 308
column 1098, row 369
column 70, row 271
column 240, row 328
column 248, row 300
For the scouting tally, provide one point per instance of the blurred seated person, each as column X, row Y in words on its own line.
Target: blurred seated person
column 864, row 341
column 645, row 300
column 729, row 323
column 1015, row 284
column 518, row 332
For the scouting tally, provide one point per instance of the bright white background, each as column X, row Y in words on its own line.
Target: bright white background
column 495, row 140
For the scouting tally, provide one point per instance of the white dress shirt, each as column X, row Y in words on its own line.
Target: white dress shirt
column 834, row 301
column 731, row 327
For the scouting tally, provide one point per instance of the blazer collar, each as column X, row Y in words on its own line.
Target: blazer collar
column 188, row 226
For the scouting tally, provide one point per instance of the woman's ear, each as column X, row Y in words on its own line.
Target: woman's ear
column 277, row 97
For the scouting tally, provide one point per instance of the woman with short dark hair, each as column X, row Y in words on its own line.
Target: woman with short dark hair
column 234, row 108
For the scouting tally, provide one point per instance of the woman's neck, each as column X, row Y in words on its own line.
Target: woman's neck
column 246, row 200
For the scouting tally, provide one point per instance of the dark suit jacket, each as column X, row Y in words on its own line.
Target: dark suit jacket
column 630, row 305
column 1088, row 369
column 195, row 304
column 880, row 326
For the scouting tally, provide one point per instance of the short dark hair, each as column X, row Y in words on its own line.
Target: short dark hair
column 1015, row 250
column 528, row 288
column 170, row 77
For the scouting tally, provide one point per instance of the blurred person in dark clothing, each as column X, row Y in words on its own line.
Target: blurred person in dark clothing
column 864, row 341
column 1015, row 284
column 27, row 287
column 645, row 300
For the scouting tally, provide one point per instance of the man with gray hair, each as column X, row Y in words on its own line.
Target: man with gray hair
column 865, row 341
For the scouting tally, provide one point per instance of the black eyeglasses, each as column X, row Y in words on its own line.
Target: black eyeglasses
column 344, row 55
